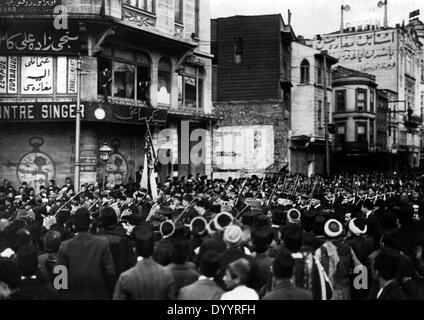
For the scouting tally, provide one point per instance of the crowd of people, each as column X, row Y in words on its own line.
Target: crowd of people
column 277, row 237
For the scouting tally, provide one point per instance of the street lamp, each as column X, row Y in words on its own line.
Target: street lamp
column 104, row 153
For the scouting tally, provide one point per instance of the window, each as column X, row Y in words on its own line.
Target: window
column 104, row 71
column 196, row 18
column 371, row 132
column 319, row 75
column 143, row 79
column 179, row 11
column 361, row 132
column 304, row 72
column 238, row 51
column 146, row 5
column 164, row 82
column 124, row 80
column 372, row 100
column 361, row 100
column 190, row 87
column 341, row 133
column 340, row 100
column 319, row 113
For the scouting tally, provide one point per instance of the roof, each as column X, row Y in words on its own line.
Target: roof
column 342, row 72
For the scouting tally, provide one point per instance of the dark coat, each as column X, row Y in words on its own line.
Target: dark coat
column 204, row 289
column 121, row 247
column 91, row 272
column 393, row 291
column 34, row 289
column 147, row 280
column 264, row 262
column 184, row 274
column 287, row 291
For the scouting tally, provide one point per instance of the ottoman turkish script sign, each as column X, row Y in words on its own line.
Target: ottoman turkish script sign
column 36, row 168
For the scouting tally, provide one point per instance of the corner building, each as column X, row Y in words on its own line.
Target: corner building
column 139, row 60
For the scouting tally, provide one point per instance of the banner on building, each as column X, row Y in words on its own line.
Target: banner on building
column 34, row 38
column 19, row 7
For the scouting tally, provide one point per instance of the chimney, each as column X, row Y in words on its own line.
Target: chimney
column 289, row 14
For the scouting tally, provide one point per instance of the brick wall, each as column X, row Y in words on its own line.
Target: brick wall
column 258, row 113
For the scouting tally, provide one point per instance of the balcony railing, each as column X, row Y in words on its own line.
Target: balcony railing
column 412, row 121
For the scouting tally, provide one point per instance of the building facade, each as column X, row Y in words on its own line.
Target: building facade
column 307, row 141
column 139, row 60
column 392, row 55
column 251, row 94
column 360, row 117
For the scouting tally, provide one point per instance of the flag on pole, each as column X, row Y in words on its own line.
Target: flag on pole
column 148, row 178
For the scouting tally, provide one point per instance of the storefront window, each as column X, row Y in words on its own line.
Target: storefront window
column 164, row 82
column 190, row 88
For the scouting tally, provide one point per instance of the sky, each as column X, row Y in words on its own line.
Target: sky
column 312, row 17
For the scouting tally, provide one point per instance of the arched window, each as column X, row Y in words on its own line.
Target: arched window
column 164, row 82
column 190, row 87
column 304, row 72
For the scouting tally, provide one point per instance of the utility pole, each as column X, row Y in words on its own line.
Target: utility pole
column 326, row 116
column 77, row 164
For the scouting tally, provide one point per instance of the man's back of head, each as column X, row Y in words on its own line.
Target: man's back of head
column 82, row 220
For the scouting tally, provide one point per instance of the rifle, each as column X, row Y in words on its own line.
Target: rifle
column 184, row 212
column 273, row 191
column 68, row 202
column 295, row 186
column 13, row 216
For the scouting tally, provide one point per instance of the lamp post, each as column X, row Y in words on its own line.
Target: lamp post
column 77, row 164
column 104, row 153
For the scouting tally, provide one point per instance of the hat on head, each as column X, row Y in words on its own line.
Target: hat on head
column 358, row 226
column 293, row 216
column 198, row 226
column 262, row 238
column 108, row 217
column 223, row 220
column 233, row 236
column 52, row 241
column 333, row 228
column 166, row 211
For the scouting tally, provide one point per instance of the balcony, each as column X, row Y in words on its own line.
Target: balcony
column 412, row 121
column 352, row 147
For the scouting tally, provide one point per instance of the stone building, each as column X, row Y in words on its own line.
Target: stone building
column 139, row 60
